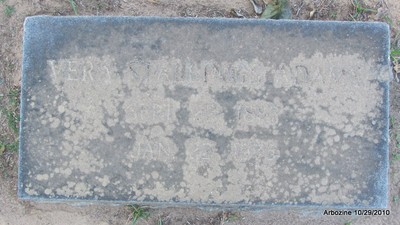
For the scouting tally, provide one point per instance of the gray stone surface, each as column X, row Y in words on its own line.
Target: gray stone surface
column 205, row 111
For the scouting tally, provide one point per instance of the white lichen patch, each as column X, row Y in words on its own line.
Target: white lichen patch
column 79, row 189
column 86, row 162
column 160, row 191
column 64, row 171
column 90, row 92
column 254, row 166
column 257, row 113
column 31, row 191
column 152, row 144
column 55, row 123
column 201, row 169
column 105, row 180
column 334, row 193
column 48, row 191
column 151, row 107
column 339, row 89
column 155, row 175
column 206, row 113
column 42, row 177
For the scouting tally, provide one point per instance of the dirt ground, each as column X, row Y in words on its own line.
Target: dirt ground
column 12, row 14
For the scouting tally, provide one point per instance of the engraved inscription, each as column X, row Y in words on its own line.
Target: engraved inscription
column 258, row 113
column 165, row 111
column 153, row 148
column 79, row 70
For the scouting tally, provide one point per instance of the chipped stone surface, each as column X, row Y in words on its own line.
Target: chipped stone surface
column 204, row 111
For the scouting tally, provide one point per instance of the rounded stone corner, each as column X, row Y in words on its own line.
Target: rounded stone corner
column 21, row 194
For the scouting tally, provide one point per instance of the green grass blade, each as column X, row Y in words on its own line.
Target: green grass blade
column 395, row 52
column 73, row 5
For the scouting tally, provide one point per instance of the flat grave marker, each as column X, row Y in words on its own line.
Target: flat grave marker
column 222, row 112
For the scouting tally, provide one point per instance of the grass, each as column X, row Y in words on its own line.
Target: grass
column 4, row 166
column 394, row 125
column 3, row 169
column 395, row 199
column 230, row 217
column 359, row 9
column 394, row 49
column 392, row 121
column 139, row 212
column 73, row 5
column 2, row 148
column 11, row 113
column 347, row 223
column 395, row 156
column 396, row 32
column 398, row 140
column 9, row 140
column 12, row 147
column 395, row 57
column 13, row 96
column 12, row 121
column 9, row 10
column 395, row 54
column 100, row 6
column 11, row 67
column 276, row 10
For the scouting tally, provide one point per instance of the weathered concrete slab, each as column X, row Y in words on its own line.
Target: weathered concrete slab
column 205, row 111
